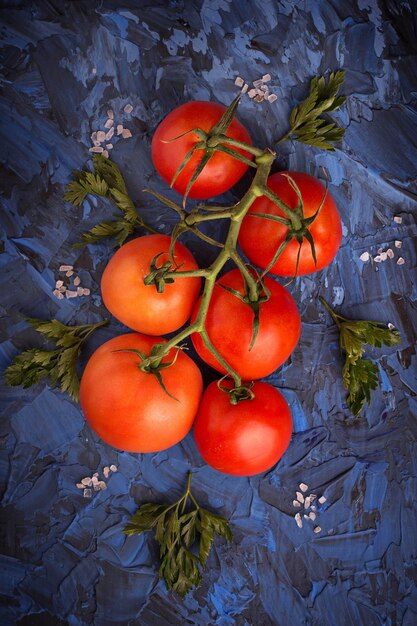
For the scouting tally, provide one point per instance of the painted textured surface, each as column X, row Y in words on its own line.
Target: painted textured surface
column 64, row 558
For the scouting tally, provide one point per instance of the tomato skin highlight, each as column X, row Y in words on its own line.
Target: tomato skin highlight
column 243, row 439
column 229, row 324
column 220, row 173
column 128, row 408
column 140, row 306
column 260, row 238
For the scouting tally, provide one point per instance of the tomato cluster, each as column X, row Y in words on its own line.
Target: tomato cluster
column 139, row 396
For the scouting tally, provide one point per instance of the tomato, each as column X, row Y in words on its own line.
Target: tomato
column 220, row 173
column 243, row 439
column 260, row 238
column 127, row 407
column 229, row 324
column 140, row 306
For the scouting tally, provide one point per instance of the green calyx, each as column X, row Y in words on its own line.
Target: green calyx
column 238, row 393
column 158, row 276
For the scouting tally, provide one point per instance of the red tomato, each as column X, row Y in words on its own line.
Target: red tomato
column 260, row 238
column 229, row 324
column 140, row 306
column 220, row 173
column 243, row 439
column 127, row 407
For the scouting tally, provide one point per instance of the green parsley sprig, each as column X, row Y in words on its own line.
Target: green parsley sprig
column 107, row 181
column 185, row 538
column 360, row 376
column 60, row 364
column 306, row 121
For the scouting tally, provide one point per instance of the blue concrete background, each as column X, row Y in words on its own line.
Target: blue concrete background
column 65, row 560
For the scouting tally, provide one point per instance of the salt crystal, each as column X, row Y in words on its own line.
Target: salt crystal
column 109, row 146
column 306, row 516
column 96, row 486
column 106, row 471
column 110, row 134
column 80, row 486
column 77, row 281
column 307, row 503
column 257, row 83
column 86, row 292
column 119, row 129
column 94, row 136
column 378, row 258
column 312, row 515
column 364, row 256
column 113, row 468
column 110, row 114
column 96, row 149
column 317, row 529
column 59, row 283
column 312, row 496
column 259, row 98
column 95, row 475
column 244, row 88
column 58, row 294
column 266, row 78
column 71, row 294
column 303, row 487
column 272, row 97
column 87, row 493
column 296, row 503
column 300, row 497
column 128, row 108
column 400, row 261
column 398, row 219
column 314, row 508
column 109, row 123
column 239, row 82
column 126, row 133
column 101, row 485
column 96, row 143
column 86, row 481
column 65, row 268
column 101, row 136
column 322, row 500
column 252, row 93
column 298, row 519
column 80, row 291
column 391, row 326
column 69, row 273
column 390, row 253
column 398, row 244
column 105, row 154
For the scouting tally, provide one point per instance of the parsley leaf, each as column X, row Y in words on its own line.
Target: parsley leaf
column 360, row 376
column 184, row 538
column 106, row 181
column 306, row 122
column 59, row 364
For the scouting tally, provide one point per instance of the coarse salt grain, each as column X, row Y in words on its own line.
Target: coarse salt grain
column 58, row 294
column 244, row 88
column 300, row 497
column 86, row 292
column 322, row 500
column 110, row 134
column 113, row 468
column 391, row 326
column 80, row 486
column 86, row 481
column 101, row 136
column 298, row 520
column 390, row 253
column 296, row 504
column 128, row 108
column 307, row 503
column 101, row 485
column 272, row 97
column 303, row 487
column 314, row 508
column 312, row 515
column 94, row 136
column 96, row 149
column 312, row 496
column 317, row 529
column 126, row 133
column 239, row 82
column 109, row 123
column 77, row 281
column 106, row 471
column 400, row 261
column 398, row 243
column 87, row 493
column 65, row 268
column 109, row 146
column 105, row 154
column 119, row 129
column 59, row 283
column 398, row 219
column 266, row 78
column 80, row 291
column 110, row 114
column 364, row 256
column 69, row 273
column 252, row 93
column 71, row 294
